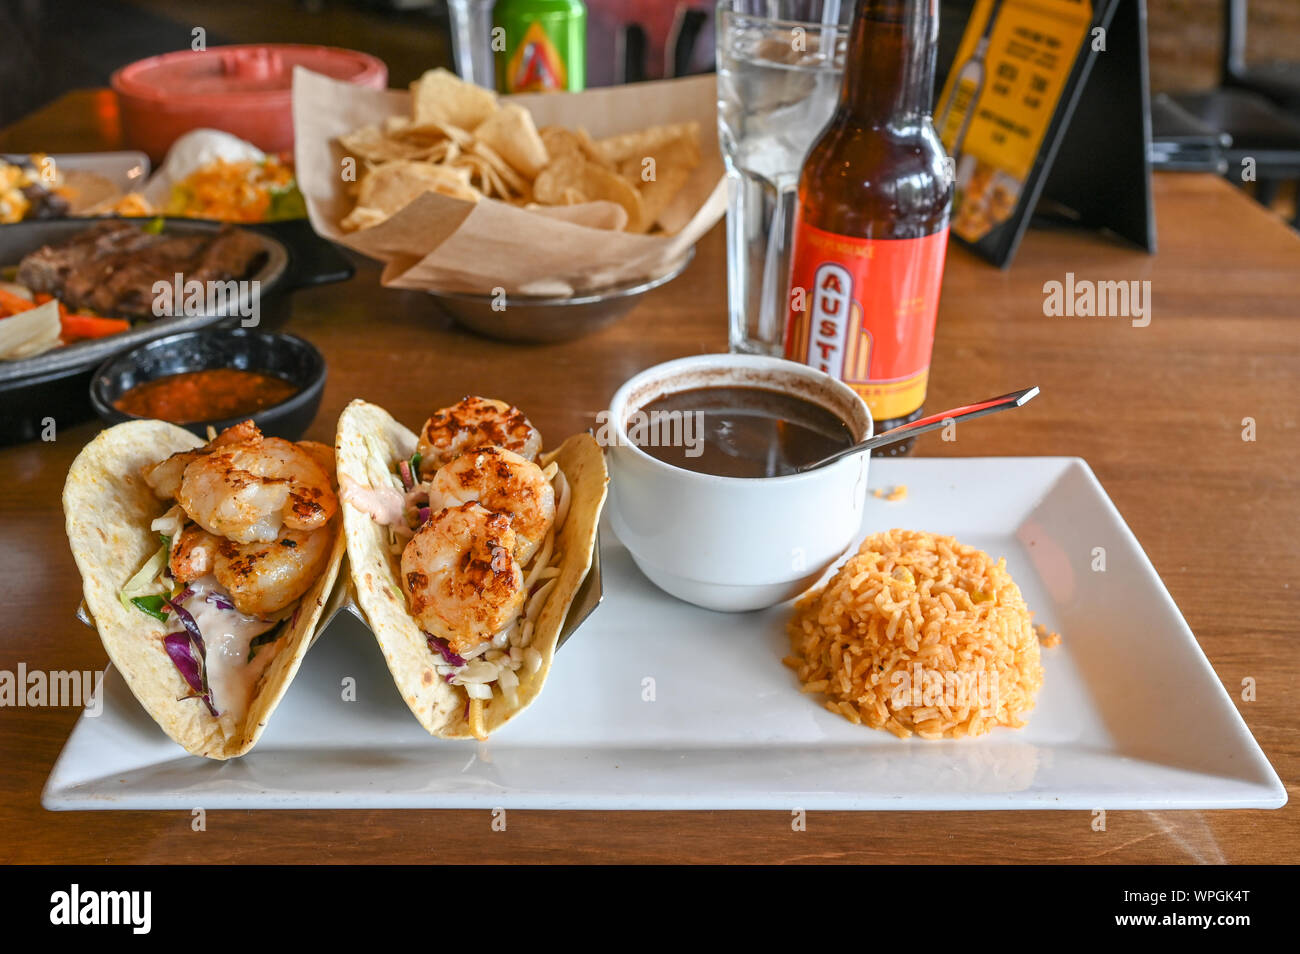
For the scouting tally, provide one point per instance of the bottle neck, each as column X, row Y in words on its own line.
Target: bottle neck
column 889, row 71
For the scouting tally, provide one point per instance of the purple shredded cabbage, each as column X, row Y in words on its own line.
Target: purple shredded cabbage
column 187, row 653
column 179, row 647
column 440, row 646
column 422, row 515
column 219, row 601
column 404, row 469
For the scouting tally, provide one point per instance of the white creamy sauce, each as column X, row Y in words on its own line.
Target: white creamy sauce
column 384, row 505
column 227, row 634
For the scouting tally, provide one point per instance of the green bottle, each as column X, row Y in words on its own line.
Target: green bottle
column 540, row 45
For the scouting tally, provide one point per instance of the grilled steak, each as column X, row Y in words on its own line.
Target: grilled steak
column 227, row 256
column 111, row 268
column 47, row 268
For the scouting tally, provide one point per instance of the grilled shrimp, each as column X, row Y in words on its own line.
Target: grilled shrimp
column 260, row 578
column 263, row 578
column 462, row 582
column 165, row 476
column 472, row 422
column 193, row 550
column 245, row 492
column 502, row 482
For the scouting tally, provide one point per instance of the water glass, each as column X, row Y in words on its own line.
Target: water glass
column 471, row 40
column 779, row 68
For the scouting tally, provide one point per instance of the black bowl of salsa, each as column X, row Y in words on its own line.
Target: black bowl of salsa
column 216, row 378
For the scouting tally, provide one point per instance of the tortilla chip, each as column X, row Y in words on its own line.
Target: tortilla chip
column 572, row 180
column 561, row 173
column 478, row 172
column 395, row 125
column 644, row 142
column 108, row 508
column 682, row 152
column 591, row 149
column 443, row 97
column 511, row 133
column 363, row 218
column 402, row 128
column 559, row 141
column 488, row 176
column 673, row 163
column 391, row 186
column 513, row 180
column 369, row 444
column 372, row 144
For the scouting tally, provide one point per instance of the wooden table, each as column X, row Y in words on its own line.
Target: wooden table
column 1158, row 412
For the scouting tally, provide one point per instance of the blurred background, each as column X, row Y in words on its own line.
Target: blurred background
column 1223, row 73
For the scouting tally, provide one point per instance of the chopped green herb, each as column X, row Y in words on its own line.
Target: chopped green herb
column 166, row 541
column 415, row 464
column 153, row 605
column 154, row 226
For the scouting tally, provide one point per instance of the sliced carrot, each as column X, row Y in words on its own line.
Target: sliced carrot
column 43, row 297
column 14, row 304
column 86, row 326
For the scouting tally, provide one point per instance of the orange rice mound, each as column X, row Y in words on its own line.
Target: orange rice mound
column 919, row 633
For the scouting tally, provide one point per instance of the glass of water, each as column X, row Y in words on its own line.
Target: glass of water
column 779, row 67
column 471, row 40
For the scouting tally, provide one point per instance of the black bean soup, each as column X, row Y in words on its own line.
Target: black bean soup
column 737, row 431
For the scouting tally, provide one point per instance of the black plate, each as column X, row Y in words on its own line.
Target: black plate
column 51, row 388
column 285, row 356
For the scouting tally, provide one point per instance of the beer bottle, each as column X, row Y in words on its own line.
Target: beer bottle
column 545, row 45
column 871, row 219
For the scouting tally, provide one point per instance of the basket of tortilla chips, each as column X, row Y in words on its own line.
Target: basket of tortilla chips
column 458, row 190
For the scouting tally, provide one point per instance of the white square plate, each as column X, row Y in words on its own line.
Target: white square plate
column 655, row 704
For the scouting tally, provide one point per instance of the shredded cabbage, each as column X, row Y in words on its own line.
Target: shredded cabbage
column 171, row 523
column 146, row 581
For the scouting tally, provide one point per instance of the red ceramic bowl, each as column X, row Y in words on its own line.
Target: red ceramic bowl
column 243, row 90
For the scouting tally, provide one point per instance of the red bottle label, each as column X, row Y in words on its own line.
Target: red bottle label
column 863, row 311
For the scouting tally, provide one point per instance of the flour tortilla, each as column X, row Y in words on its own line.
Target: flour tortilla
column 108, row 508
column 370, row 443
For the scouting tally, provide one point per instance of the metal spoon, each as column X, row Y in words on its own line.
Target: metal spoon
column 929, row 423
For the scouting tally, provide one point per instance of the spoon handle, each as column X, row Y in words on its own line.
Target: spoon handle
column 930, row 423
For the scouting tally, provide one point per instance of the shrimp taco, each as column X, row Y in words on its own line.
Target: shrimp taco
column 206, row 567
column 467, row 545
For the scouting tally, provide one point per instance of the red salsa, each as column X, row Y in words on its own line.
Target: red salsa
column 211, row 395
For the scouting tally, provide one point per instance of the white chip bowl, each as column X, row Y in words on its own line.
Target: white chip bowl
column 733, row 543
